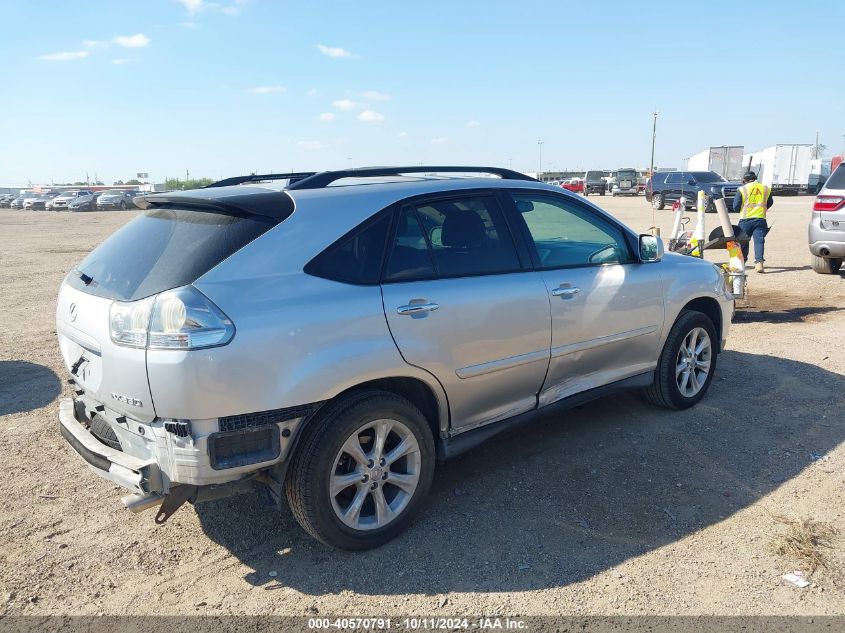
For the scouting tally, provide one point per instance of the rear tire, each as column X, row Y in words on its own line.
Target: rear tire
column 825, row 265
column 690, row 349
column 342, row 441
column 657, row 202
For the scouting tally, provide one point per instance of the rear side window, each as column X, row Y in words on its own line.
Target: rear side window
column 676, row 177
column 459, row 237
column 837, row 178
column 355, row 258
column 164, row 249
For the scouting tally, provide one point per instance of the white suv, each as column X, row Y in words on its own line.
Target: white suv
column 827, row 225
column 333, row 338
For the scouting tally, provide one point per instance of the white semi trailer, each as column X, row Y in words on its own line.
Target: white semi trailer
column 785, row 168
column 725, row 160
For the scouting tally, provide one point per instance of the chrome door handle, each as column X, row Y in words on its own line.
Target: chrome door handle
column 417, row 308
column 565, row 292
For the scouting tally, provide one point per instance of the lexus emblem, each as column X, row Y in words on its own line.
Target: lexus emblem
column 72, row 311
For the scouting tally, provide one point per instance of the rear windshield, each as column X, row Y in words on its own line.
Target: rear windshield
column 837, row 178
column 707, row 176
column 164, row 249
column 594, row 175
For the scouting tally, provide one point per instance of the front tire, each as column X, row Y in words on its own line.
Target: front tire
column 361, row 471
column 657, row 202
column 687, row 363
column 825, row 265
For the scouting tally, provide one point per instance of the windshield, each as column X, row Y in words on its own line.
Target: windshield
column 626, row 173
column 707, row 176
column 594, row 175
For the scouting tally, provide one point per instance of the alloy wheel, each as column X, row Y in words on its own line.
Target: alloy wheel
column 375, row 474
column 693, row 363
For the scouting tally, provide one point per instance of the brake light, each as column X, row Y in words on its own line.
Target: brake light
column 829, row 203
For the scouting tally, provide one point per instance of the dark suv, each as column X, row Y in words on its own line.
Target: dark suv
column 594, row 182
column 668, row 186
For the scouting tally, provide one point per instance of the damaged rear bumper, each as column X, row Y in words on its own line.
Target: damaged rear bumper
column 139, row 476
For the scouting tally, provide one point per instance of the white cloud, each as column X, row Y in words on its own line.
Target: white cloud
column 65, row 56
column 312, row 145
column 371, row 116
column 326, row 116
column 312, row 92
column 375, row 95
column 94, row 43
column 119, row 61
column 344, row 104
column 192, row 6
column 333, row 51
column 473, row 123
column 139, row 40
column 402, row 134
column 439, row 140
column 267, row 90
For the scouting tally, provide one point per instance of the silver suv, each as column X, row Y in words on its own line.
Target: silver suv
column 827, row 225
column 333, row 338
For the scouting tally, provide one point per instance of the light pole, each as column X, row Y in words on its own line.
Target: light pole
column 653, row 137
column 540, row 164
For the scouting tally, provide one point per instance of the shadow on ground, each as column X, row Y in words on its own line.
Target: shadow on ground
column 26, row 386
column 570, row 496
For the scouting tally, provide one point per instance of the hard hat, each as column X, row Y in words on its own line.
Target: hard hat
column 749, row 176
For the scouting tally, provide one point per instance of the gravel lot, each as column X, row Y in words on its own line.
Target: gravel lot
column 612, row 508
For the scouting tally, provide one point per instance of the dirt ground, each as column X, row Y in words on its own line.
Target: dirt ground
column 612, row 508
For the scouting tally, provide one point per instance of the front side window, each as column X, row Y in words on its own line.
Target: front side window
column 566, row 235
column 451, row 238
column 676, row 178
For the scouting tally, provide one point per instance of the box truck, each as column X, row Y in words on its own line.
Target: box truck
column 785, row 168
column 725, row 160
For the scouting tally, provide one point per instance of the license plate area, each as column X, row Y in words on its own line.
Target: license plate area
column 833, row 225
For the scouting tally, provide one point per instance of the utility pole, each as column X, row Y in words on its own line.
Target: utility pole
column 653, row 138
column 816, row 149
column 540, row 164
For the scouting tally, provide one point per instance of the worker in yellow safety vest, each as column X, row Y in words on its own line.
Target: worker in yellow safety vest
column 752, row 201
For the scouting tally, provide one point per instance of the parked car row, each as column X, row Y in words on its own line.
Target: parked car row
column 72, row 200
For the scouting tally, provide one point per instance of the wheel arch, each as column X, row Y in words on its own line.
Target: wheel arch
column 711, row 309
column 416, row 391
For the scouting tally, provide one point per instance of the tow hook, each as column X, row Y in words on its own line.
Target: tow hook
column 175, row 500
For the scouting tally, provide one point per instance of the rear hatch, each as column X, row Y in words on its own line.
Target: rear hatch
column 168, row 246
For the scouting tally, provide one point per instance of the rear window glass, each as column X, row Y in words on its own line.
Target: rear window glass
column 164, row 249
column 594, row 175
column 837, row 178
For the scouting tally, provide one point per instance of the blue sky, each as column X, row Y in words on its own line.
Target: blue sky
column 232, row 86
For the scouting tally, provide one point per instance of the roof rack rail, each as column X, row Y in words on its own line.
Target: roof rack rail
column 239, row 180
column 325, row 178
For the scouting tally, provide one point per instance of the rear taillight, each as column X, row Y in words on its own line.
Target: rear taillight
column 183, row 319
column 829, row 203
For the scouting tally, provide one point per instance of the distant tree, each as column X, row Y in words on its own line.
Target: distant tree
column 193, row 183
column 79, row 183
column 99, row 183
column 118, row 182
column 134, row 181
